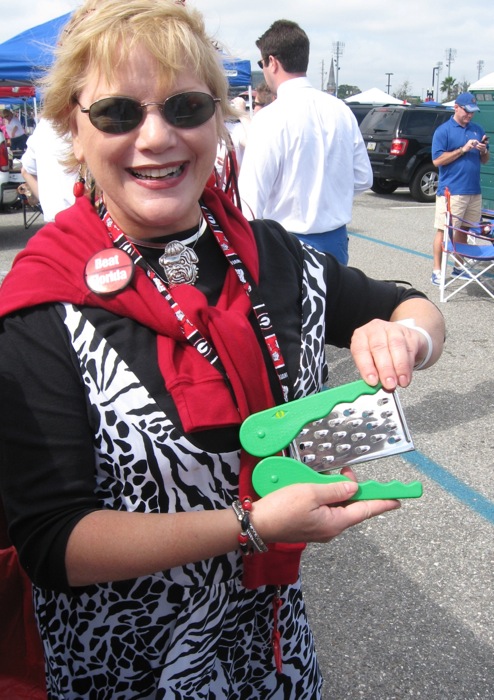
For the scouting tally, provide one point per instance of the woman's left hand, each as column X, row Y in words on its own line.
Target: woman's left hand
column 386, row 352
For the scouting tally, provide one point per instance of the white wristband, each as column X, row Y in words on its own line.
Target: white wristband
column 410, row 323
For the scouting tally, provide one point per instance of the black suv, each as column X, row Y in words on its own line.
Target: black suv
column 399, row 140
column 360, row 109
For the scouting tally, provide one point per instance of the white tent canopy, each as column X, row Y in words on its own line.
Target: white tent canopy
column 486, row 82
column 374, row 96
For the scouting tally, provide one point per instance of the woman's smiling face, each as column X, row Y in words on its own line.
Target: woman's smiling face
column 153, row 176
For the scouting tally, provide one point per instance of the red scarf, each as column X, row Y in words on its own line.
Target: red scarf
column 51, row 269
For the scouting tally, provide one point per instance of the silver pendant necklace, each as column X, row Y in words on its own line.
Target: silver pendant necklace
column 179, row 264
column 178, row 261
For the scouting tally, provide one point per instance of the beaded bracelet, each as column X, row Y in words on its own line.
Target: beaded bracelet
column 248, row 540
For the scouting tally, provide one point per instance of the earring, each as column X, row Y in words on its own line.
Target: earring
column 80, row 184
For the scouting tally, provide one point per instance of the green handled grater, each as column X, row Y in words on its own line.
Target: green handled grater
column 346, row 425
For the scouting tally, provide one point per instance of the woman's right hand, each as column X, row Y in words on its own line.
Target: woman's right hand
column 313, row 512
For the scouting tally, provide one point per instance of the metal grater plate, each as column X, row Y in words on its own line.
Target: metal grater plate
column 372, row 426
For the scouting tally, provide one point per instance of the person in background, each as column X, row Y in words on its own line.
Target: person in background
column 239, row 129
column 43, row 170
column 138, row 331
column 3, row 128
column 305, row 158
column 15, row 131
column 263, row 97
column 459, row 147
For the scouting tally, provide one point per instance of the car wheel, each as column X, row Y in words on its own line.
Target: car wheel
column 423, row 186
column 380, row 186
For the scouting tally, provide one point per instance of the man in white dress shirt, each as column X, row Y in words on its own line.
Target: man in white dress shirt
column 305, row 158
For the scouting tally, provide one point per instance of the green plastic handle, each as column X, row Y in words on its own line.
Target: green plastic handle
column 275, row 472
column 267, row 432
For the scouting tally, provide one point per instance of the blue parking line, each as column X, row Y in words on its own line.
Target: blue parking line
column 457, row 488
column 391, row 245
column 463, row 493
column 402, row 248
column 441, row 476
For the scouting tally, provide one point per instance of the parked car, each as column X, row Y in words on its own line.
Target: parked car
column 399, row 141
column 360, row 109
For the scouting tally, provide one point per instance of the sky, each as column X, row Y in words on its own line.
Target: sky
column 407, row 38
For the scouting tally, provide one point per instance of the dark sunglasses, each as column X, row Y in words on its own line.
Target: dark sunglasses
column 266, row 60
column 119, row 115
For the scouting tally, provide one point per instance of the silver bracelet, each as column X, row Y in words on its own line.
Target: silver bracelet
column 249, row 539
column 410, row 323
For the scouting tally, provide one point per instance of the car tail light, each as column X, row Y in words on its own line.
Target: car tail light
column 4, row 156
column 398, row 147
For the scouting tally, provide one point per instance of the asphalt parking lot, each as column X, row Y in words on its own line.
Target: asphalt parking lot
column 402, row 606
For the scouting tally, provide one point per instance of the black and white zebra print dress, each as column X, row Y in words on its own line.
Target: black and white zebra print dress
column 191, row 632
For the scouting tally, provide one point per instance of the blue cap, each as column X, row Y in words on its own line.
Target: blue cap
column 467, row 101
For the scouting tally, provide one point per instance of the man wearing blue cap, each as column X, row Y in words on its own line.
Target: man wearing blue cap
column 459, row 146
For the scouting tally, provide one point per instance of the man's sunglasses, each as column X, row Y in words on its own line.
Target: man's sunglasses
column 266, row 60
column 119, row 115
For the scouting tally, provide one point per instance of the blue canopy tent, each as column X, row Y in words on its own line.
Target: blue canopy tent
column 238, row 72
column 24, row 57
column 239, row 76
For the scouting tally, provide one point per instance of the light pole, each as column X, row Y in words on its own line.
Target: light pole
column 389, row 78
column 338, row 47
column 436, row 70
column 450, row 56
column 480, row 65
column 323, row 74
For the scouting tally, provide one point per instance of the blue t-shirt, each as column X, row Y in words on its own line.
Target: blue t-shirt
column 462, row 176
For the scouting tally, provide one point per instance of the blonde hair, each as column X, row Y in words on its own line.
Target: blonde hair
column 101, row 34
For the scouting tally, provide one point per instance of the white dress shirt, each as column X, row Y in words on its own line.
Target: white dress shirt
column 304, row 161
column 42, row 159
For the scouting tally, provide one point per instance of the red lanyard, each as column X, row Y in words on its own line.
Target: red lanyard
column 188, row 328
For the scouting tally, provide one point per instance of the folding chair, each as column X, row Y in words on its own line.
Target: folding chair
column 31, row 208
column 30, row 212
column 475, row 258
column 488, row 217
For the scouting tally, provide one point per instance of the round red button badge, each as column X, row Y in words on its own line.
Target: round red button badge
column 109, row 271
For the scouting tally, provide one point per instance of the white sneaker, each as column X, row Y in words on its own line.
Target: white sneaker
column 436, row 277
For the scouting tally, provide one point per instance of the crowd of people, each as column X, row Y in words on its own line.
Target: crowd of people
column 143, row 325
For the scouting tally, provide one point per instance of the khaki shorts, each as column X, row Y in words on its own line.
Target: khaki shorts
column 465, row 206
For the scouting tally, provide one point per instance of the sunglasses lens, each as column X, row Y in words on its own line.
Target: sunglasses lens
column 116, row 115
column 189, row 109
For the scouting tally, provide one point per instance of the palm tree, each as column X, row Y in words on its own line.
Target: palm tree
column 449, row 86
